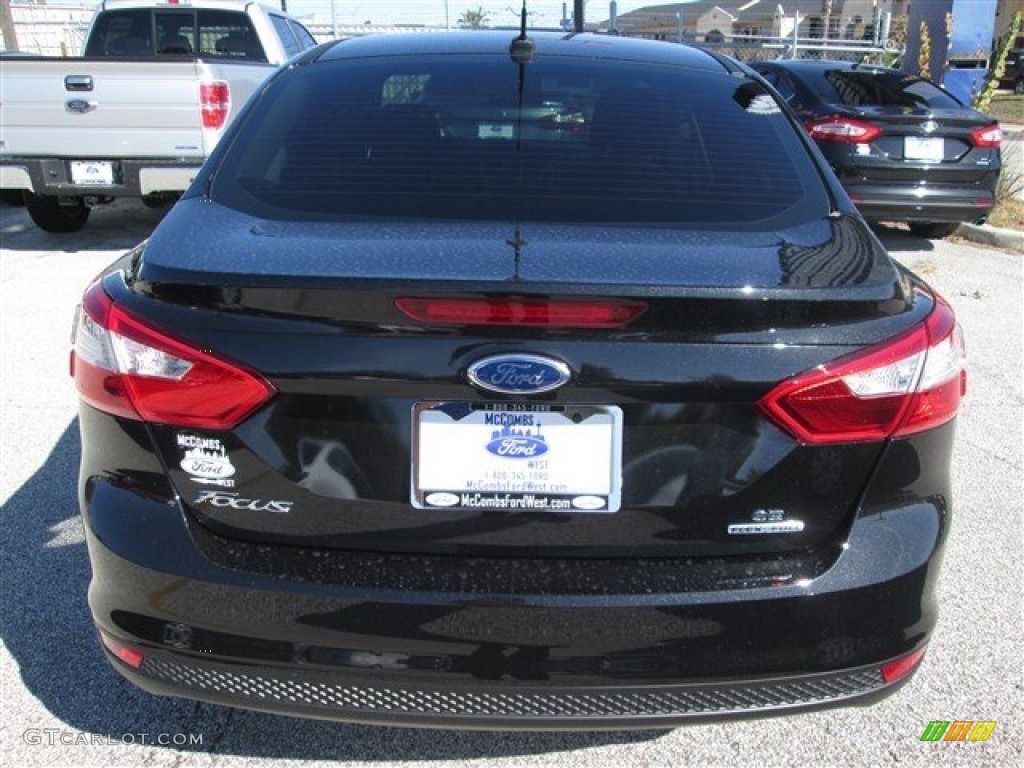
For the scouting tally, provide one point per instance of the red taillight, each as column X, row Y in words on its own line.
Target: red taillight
column 214, row 103
column 904, row 385
column 896, row 670
column 989, row 136
column 531, row 312
column 848, row 130
column 125, row 367
column 129, row 656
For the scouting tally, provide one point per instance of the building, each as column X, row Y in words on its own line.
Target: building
column 53, row 30
column 1004, row 17
column 713, row 20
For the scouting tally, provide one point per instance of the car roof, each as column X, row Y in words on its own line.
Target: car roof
column 821, row 65
column 606, row 47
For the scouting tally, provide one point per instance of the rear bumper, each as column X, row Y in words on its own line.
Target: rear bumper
column 957, row 192
column 920, row 203
column 133, row 177
column 566, row 659
column 367, row 698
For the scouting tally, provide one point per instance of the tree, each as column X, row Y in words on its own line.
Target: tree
column 898, row 33
column 995, row 74
column 924, row 56
column 477, row 19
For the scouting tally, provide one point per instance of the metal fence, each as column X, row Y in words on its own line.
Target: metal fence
column 749, row 48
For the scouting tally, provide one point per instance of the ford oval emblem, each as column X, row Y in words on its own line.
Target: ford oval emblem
column 80, row 106
column 517, row 443
column 442, row 499
column 518, row 374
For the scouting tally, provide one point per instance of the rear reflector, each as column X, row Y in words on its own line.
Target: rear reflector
column 907, row 384
column 847, row 130
column 125, row 367
column 895, row 671
column 129, row 656
column 214, row 103
column 528, row 312
column 990, row 136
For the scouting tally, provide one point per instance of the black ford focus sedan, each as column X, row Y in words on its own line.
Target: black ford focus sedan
column 496, row 382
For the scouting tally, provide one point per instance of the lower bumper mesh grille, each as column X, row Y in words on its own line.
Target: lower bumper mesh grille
column 262, row 689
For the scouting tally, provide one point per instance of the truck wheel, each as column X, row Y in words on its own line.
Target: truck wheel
column 933, row 230
column 12, row 197
column 158, row 201
column 57, row 214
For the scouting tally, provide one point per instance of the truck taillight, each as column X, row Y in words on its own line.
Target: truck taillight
column 124, row 366
column 904, row 385
column 214, row 103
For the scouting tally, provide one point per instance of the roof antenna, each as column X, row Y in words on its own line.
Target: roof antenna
column 522, row 48
column 522, row 51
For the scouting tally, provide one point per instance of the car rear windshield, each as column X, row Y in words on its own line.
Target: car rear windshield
column 884, row 89
column 559, row 139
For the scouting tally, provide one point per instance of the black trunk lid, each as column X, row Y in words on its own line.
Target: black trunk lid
column 329, row 462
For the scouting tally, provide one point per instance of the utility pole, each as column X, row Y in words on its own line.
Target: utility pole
column 577, row 15
column 7, row 22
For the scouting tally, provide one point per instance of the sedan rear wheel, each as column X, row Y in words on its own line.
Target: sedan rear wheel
column 933, row 230
column 57, row 214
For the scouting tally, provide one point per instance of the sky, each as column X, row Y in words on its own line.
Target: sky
column 543, row 13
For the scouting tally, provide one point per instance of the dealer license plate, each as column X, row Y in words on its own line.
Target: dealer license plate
column 916, row 148
column 521, row 458
column 87, row 173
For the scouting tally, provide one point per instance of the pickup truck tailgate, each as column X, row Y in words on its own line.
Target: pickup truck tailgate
column 92, row 108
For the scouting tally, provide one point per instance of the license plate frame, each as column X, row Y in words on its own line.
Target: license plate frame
column 930, row 149
column 92, row 173
column 516, row 457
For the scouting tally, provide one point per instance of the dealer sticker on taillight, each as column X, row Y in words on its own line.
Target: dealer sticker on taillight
column 517, row 457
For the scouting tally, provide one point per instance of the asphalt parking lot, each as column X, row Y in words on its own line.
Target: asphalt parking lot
column 63, row 705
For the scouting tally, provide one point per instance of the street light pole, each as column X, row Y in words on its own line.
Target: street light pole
column 577, row 15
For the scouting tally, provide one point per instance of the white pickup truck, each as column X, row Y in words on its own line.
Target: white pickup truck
column 140, row 111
